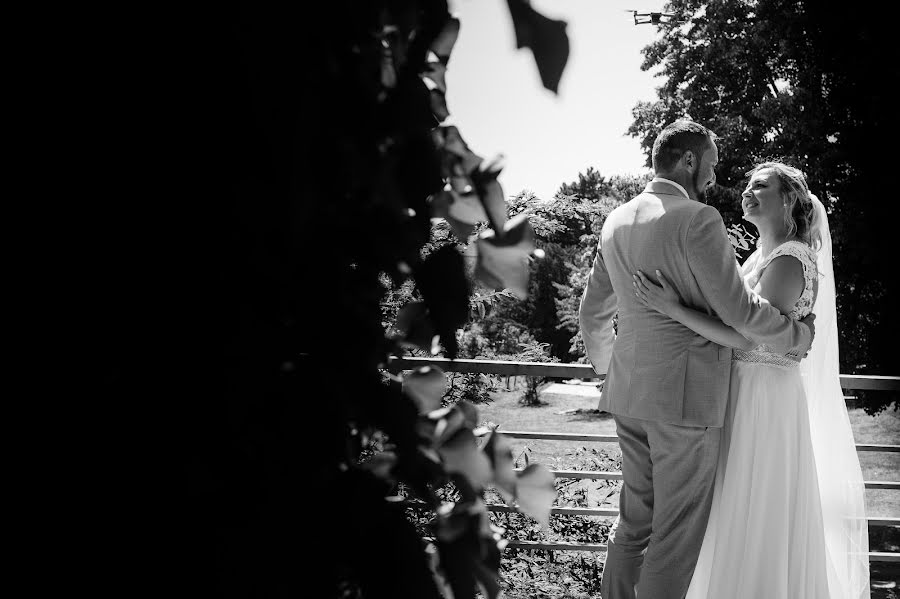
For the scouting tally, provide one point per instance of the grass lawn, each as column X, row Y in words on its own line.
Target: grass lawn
column 506, row 412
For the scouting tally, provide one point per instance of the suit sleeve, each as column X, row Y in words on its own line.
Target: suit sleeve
column 711, row 260
column 595, row 315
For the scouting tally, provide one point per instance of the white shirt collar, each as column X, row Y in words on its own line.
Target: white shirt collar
column 673, row 184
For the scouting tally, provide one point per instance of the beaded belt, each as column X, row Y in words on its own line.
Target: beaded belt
column 760, row 356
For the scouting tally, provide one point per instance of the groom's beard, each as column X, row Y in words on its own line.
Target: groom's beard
column 701, row 193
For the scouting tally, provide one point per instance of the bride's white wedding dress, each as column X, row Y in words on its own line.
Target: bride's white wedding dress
column 765, row 535
column 769, row 521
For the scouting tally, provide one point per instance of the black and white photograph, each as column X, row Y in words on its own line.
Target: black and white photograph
column 522, row 299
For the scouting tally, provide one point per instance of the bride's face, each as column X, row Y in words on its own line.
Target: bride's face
column 762, row 200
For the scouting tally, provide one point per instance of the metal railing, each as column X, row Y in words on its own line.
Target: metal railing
column 585, row 371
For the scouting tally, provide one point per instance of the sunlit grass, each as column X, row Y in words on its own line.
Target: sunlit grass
column 506, row 412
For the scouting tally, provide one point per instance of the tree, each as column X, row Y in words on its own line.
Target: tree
column 621, row 188
column 590, row 185
column 799, row 81
column 560, row 225
column 567, row 228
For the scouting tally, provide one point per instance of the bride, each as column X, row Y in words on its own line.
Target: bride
column 788, row 517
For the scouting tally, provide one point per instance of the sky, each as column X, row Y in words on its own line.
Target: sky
column 495, row 96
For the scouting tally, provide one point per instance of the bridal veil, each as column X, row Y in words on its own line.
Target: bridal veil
column 840, row 478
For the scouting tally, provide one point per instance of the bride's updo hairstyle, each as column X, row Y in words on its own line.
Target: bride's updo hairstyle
column 799, row 213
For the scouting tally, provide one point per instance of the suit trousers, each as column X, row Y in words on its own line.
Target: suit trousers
column 669, row 472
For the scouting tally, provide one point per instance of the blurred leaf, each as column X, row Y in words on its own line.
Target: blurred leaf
column 446, row 39
column 382, row 465
column 461, row 230
column 460, row 181
column 439, row 105
column 434, row 563
column 469, row 412
column 547, row 39
column 445, row 289
column 408, row 107
column 503, row 260
column 426, row 386
column 388, row 72
column 461, row 211
column 442, row 424
column 429, row 454
column 467, row 208
column 487, row 578
column 415, row 329
column 434, row 77
column 536, row 492
column 457, row 151
column 446, row 421
column 436, row 67
column 469, row 550
column 491, row 193
column 461, row 455
column 499, row 450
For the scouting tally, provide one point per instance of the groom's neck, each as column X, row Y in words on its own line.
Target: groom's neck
column 682, row 178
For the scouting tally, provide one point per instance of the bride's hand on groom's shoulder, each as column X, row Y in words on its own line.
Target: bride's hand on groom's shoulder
column 661, row 297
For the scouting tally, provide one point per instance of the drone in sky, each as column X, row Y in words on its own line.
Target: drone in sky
column 654, row 18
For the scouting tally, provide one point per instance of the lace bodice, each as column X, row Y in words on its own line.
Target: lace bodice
column 753, row 269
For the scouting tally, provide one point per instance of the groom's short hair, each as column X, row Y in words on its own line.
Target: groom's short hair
column 677, row 138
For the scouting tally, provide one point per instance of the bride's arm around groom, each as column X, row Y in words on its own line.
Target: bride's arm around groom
column 687, row 241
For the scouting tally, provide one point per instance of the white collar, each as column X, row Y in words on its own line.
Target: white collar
column 673, row 184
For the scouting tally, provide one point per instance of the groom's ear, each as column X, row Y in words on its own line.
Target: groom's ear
column 689, row 159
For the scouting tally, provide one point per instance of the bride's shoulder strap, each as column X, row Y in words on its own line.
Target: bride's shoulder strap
column 799, row 250
column 803, row 253
column 807, row 258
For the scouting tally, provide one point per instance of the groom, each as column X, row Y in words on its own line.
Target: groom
column 665, row 385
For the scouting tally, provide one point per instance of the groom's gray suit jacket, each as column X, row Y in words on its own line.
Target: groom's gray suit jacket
column 657, row 369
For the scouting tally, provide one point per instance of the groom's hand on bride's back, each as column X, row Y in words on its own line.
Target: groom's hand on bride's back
column 810, row 322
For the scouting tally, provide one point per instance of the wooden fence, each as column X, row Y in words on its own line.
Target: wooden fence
column 585, row 371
